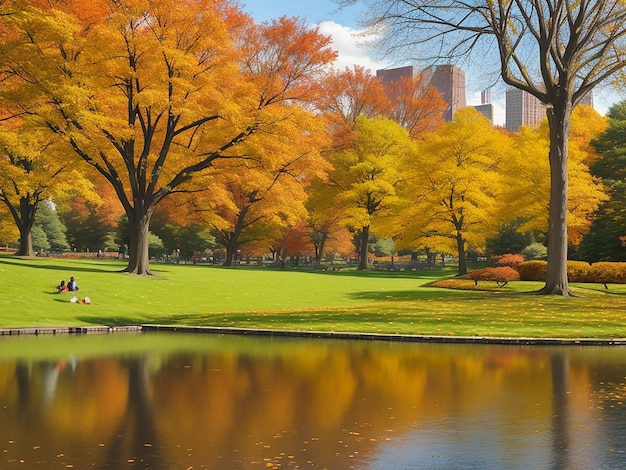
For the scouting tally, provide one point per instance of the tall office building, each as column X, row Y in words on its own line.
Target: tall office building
column 449, row 80
column 388, row 76
column 523, row 109
column 485, row 107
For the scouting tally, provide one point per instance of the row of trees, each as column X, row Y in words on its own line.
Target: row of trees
column 189, row 112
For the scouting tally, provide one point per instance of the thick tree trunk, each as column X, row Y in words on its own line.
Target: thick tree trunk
column 138, row 256
column 25, row 221
column 231, row 249
column 232, row 238
column 26, row 242
column 363, row 251
column 556, row 278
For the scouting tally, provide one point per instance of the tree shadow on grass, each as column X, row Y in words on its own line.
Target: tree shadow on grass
column 416, row 295
column 112, row 320
column 600, row 290
column 52, row 266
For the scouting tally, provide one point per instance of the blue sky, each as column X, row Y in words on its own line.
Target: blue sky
column 312, row 11
column 343, row 26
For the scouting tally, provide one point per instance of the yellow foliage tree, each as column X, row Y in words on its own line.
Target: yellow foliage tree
column 368, row 175
column 248, row 201
column 527, row 178
column 455, row 186
column 153, row 93
column 34, row 167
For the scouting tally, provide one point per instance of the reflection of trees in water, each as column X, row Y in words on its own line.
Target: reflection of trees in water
column 308, row 404
column 560, row 412
column 136, row 439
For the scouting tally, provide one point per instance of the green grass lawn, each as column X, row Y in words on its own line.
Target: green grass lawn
column 377, row 302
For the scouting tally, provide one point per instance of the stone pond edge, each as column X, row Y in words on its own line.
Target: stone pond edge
column 79, row 330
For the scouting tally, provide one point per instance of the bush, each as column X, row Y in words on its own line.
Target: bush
column 501, row 275
column 578, row 271
column 510, row 260
column 607, row 273
column 534, row 270
column 535, row 251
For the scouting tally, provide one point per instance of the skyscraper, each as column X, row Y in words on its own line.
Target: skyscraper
column 523, row 109
column 485, row 107
column 448, row 79
column 387, row 76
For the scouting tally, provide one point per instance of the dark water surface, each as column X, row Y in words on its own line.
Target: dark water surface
column 181, row 401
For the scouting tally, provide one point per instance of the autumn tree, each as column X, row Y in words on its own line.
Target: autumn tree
column 528, row 182
column 91, row 224
column 254, row 198
column 153, row 93
column 415, row 104
column 576, row 45
column 606, row 239
column 455, row 186
column 368, row 174
column 343, row 97
column 324, row 220
column 346, row 94
column 33, row 169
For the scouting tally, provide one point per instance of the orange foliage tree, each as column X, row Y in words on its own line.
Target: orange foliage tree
column 415, row 106
column 153, row 93
column 34, row 168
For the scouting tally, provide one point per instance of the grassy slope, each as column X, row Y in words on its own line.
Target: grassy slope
column 262, row 298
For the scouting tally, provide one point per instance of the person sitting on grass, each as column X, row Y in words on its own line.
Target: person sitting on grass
column 71, row 285
column 62, row 287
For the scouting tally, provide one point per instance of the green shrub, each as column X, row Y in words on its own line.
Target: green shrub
column 501, row 275
column 535, row 251
column 534, row 270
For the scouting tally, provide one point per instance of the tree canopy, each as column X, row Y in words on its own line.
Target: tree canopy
column 151, row 93
column 574, row 46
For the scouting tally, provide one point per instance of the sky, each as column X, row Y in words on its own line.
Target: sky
column 343, row 26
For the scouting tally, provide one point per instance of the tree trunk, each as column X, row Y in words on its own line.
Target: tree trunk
column 138, row 257
column 25, row 221
column 231, row 248
column 460, row 244
column 319, row 248
column 363, row 251
column 232, row 238
column 26, row 242
column 556, row 277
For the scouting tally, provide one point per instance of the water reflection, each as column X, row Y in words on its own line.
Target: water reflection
column 194, row 401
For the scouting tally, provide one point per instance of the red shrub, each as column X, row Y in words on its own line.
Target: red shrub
column 501, row 275
column 510, row 260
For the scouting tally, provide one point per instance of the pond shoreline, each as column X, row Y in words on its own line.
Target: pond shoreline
column 80, row 330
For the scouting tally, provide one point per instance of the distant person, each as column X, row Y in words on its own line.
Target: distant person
column 71, row 285
column 62, row 287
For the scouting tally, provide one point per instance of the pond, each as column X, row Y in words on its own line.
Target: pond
column 182, row 401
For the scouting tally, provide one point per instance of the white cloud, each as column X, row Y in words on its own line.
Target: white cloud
column 350, row 45
column 348, row 42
